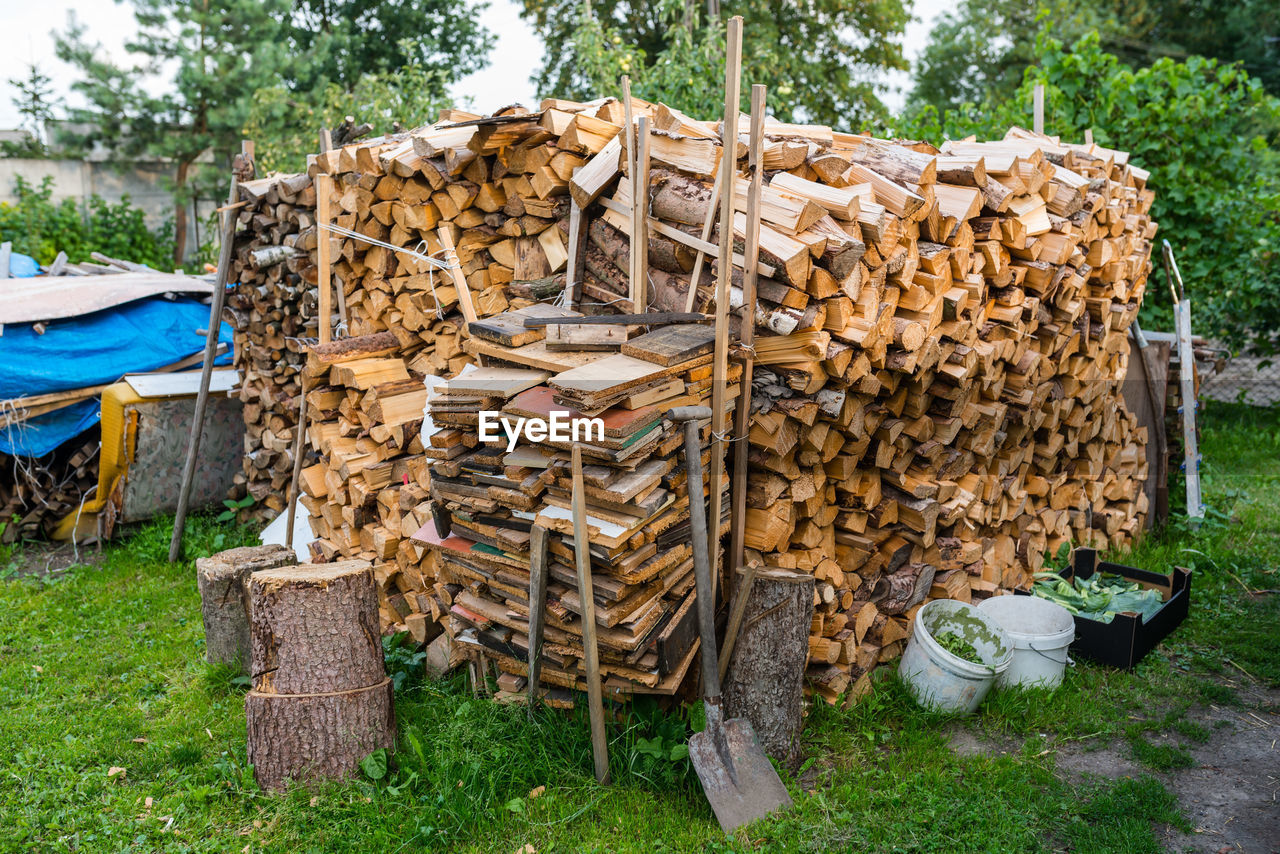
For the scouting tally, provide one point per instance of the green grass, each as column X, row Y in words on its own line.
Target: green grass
column 101, row 667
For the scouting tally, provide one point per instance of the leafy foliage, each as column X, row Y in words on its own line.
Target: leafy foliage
column 40, row 228
column 184, row 89
column 404, row 660
column 822, row 60
column 342, row 41
column 284, row 123
column 1208, row 134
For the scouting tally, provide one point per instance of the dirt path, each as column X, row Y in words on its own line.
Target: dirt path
column 1231, row 796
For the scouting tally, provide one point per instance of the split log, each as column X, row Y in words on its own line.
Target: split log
column 765, row 680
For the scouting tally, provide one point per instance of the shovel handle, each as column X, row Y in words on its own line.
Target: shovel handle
column 701, row 563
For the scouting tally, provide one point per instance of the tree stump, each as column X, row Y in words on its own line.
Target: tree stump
column 765, row 680
column 224, row 599
column 321, row 699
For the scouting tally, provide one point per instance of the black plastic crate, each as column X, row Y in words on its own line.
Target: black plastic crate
column 1126, row 640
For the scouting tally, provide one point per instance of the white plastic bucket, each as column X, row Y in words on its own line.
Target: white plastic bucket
column 1041, row 631
column 945, row 682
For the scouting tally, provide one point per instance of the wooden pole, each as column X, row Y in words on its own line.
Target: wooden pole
column 707, row 228
column 747, row 317
column 324, row 265
column 1038, row 108
column 465, row 305
column 640, row 221
column 206, row 371
column 538, row 571
column 720, row 365
column 577, row 234
column 299, row 447
column 582, row 559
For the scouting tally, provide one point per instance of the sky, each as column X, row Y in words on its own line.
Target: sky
column 514, row 59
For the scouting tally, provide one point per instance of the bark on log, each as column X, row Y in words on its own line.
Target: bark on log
column 764, row 683
column 224, row 599
column 317, row 736
column 898, row 591
column 315, row 629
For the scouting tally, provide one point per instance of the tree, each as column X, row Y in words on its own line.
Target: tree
column 35, row 102
column 977, row 51
column 284, row 123
column 821, row 59
column 204, row 59
column 344, row 40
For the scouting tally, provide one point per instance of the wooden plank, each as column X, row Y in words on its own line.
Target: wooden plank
column 538, row 566
column 708, row 228
column 511, row 328
column 465, row 305
column 610, row 374
column 582, row 558
column 324, row 249
column 640, row 219
column 671, row 345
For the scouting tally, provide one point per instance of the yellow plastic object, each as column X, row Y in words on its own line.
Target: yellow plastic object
column 118, row 436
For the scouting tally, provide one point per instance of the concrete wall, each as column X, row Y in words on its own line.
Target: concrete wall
column 145, row 184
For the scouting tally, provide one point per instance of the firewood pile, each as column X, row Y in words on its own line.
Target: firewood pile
column 38, row 493
column 942, row 406
column 940, row 335
column 272, row 309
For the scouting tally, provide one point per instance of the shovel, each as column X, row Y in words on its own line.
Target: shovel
column 736, row 776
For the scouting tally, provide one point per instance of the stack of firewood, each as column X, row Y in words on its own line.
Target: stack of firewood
column 272, row 309
column 940, row 336
column 496, row 191
column 38, row 493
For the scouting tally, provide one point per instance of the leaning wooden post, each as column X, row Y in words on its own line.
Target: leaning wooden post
column 1038, row 108
column 640, row 221
column 324, row 265
column 321, row 700
column 206, row 371
column 720, row 366
column 591, row 652
column 299, row 449
column 747, row 321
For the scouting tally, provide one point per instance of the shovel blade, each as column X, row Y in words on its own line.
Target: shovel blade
column 736, row 776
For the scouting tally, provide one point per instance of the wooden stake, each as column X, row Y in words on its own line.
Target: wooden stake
column 582, row 556
column 210, row 348
column 299, row 445
column 324, row 265
column 720, row 365
column 459, row 281
column 739, row 609
column 640, row 221
column 707, row 228
column 577, row 235
column 742, row 414
column 1038, row 108
column 538, row 568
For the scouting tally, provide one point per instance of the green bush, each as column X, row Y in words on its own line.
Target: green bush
column 1207, row 132
column 40, row 228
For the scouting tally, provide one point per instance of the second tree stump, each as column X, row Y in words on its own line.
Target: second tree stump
column 224, row 599
column 321, row 699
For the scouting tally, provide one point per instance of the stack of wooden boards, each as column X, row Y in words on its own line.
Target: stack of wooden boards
column 272, row 308
column 941, row 335
column 498, row 482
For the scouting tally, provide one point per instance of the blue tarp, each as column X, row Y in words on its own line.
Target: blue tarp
column 22, row 266
column 93, row 349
